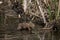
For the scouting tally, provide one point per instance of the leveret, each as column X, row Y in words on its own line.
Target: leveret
column 23, row 26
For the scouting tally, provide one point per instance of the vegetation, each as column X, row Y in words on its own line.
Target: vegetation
column 29, row 19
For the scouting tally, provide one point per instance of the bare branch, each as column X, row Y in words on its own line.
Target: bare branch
column 42, row 13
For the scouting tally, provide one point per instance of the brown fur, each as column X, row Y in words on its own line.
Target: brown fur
column 25, row 25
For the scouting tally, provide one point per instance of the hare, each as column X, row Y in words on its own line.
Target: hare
column 24, row 26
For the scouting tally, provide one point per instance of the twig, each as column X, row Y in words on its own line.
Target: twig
column 58, row 10
column 42, row 13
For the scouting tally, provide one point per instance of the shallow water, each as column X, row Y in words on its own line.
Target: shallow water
column 38, row 35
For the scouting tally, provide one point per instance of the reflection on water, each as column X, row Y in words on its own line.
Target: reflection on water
column 38, row 35
column 42, row 35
